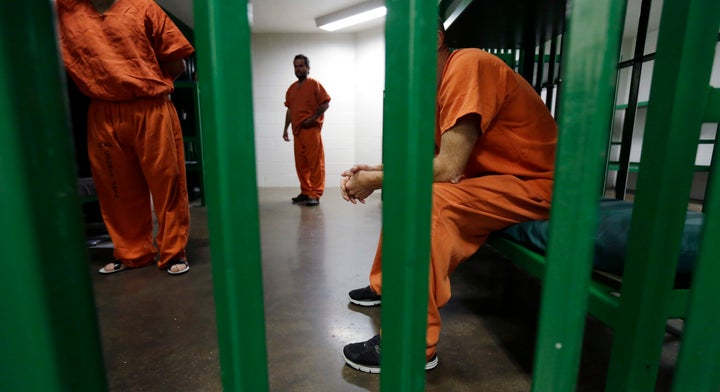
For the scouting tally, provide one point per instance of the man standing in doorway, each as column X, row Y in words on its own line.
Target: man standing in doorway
column 307, row 101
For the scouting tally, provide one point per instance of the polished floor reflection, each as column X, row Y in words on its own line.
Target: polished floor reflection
column 159, row 331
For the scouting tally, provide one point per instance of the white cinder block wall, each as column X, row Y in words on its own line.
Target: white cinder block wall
column 351, row 68
column 370, row 50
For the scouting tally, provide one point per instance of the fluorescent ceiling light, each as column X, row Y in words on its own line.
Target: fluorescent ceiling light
column 356, row 14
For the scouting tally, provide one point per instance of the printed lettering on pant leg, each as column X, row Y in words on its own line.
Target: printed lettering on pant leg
column 109, row 165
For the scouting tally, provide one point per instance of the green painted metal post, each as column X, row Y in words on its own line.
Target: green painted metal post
column 589, row 57
column 225, row 88
column 678, row 97
column 698, row 367
column 410, row 75
column 50, row 339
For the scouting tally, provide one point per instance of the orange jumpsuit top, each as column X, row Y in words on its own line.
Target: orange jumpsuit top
column 111, row 62
column 517, row 139
column 303, row 100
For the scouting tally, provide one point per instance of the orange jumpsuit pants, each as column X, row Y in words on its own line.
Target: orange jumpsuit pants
column 463, row 215
column 310, row 161
column 136, row 152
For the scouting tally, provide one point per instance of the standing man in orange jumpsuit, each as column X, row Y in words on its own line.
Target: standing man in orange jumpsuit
column 306, row 102
column 125, row 56
column 495, row 153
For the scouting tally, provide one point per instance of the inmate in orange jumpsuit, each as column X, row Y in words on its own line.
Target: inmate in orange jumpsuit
column 135, row 141
column 302, row 100
column 508, row 177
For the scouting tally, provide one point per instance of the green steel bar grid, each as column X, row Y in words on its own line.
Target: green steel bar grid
column 50, row 339
column 683, row 63
column 49, row 296
column 225, row 88
column 628, row 122
column 698, row 367
column 408, row 129
column 589, row 57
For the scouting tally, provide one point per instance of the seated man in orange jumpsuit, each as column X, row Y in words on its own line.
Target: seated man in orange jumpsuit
column 306, row 102
column 495, row 142
column 125, row 56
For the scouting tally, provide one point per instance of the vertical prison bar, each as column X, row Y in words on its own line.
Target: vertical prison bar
column 223, row 46
column 592, row 45
column 50, row 339
column 408, row 129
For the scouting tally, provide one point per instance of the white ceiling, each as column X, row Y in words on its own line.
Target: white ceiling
column 298, row 16
column 279, row 16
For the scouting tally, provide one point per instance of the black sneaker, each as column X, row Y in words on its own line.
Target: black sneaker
column 312, row 202
column 300, row 198
column 364, row 297
column 365, row 356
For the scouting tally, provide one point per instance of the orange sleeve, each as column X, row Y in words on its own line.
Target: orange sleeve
column 320, row 94
column 168, row 41
column 471, row 84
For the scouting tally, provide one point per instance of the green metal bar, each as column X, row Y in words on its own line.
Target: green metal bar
column 521, row 65
column 409, row 132
column 50, row 339
column 601, row 303
column 223, row 47
column 194, row 140
column 698, row 367
column 714, row 159
column 686, row 44
column 531, row 262
column 558, row 80
column 529, row 43
column 199, row 145
column 546, row 58
column 635, row 167
column 678, row 303
column 550, row 82
column 540, row 64
column 712, row 113
column 590, row 55
column 640, row 104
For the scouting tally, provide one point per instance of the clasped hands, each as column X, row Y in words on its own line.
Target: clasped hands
column 360, row 181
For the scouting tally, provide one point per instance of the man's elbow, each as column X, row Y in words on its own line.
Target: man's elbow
column 446, row 173
column 447, row 177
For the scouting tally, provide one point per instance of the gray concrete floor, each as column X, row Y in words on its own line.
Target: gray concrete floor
column 159, row 334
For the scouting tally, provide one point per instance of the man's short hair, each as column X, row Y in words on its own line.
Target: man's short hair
column 303, row 57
